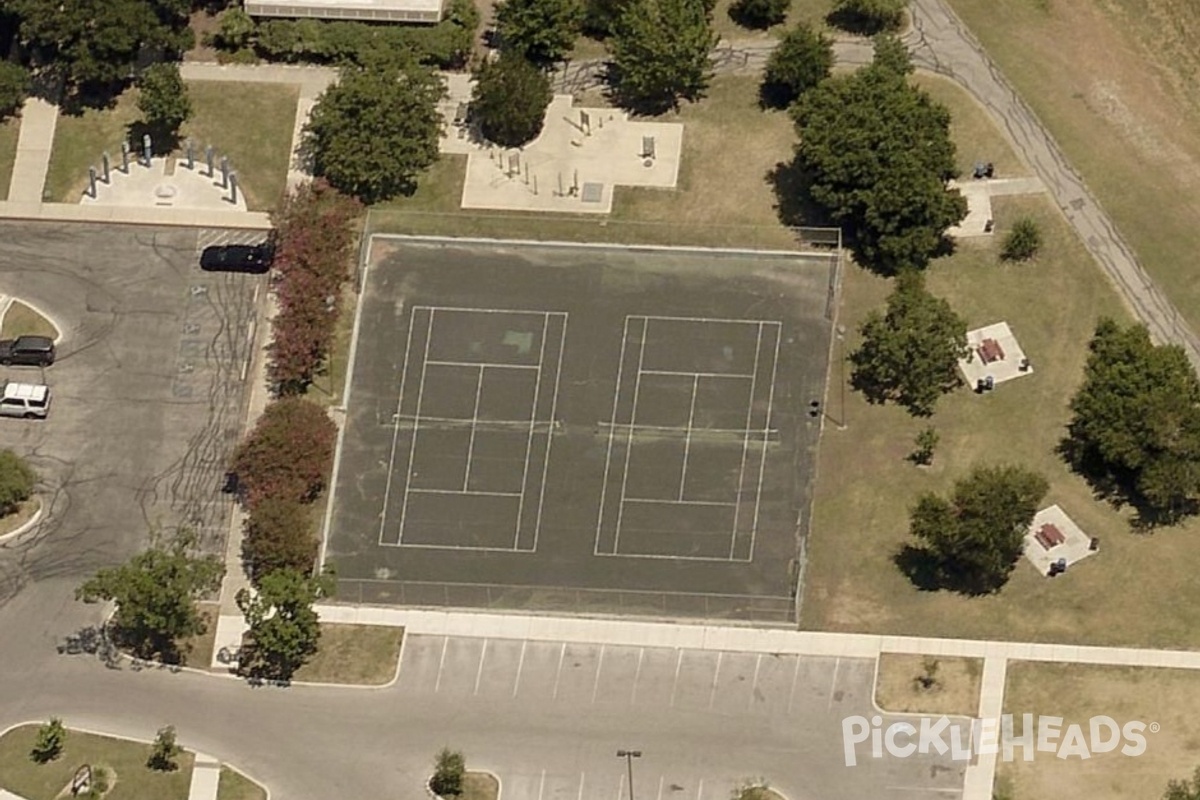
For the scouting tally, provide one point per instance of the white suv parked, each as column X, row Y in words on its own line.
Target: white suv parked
column 27, row 400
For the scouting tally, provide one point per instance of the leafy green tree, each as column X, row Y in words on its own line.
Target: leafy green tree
column 542, row 31
column 236, row 31
column 878, row 154
column 909, row 354
column 973, row 539
column 165, row 751
column 163, row 99
column 660, row 53
column 448, row 771
column 14, row 87
column 759, row 13
column 98, row 42
column 868, row 16
column 509, row 100
column 284, row 627
column 1135, row 429
column 926, row 440
column 155, row 594
column 17, row 480
column 1023, row 241
column 49, row 742
column 1185, row 789
column 891, row 54
column 374, row 131
column 279, row 535
column 802, row 59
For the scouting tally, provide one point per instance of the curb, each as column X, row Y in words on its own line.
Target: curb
column 28, row 524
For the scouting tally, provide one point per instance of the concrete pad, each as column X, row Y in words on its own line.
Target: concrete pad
column 7, row 795
column 979, row 210
column 1075, row 547
column 228, row 640
column 166, row 183
column 206, row 776
column 571, row 167
column 1003, row 369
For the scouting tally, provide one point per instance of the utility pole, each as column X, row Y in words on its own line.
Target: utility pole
column 629, row 756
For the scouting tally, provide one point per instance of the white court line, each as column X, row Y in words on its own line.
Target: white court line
column 520, row 666
column 677, row 503
column 696, row 374
column 746, row 445
column 833, row 683
column 715, row 559
column 476, row 364
column 637, row 387
column 479, row 671
column 712, row 692
column 687, row 441
column 705, row 319
column 611, row 436
column 513, row 311
column 437, row 684
column 537, row 388
column 637, row 675
column 670, row 428
column 562, row 348
column 762, row 459
column 754, row 684
column 675, row 683
column 387, row 488
column 416, row 428
column 473, row 493
column 558, row 673
column 474, row 422
column 464, row 547
column 792, row 691
column 599, row 667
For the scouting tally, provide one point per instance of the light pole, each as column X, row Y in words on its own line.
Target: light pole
column 629, row 756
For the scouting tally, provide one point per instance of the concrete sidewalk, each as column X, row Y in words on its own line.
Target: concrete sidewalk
column 39, row 119
column 206, row 778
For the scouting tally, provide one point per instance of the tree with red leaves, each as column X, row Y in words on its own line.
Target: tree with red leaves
column 288, row 455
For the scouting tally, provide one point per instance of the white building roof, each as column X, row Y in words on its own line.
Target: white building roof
column 365, row 10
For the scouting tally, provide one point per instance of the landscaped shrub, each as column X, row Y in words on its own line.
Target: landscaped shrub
column 288, row 455
column 279, row 535
column 16, row 481
column 1023, row 241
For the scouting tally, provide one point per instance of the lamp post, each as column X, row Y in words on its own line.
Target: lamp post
column 629, row 756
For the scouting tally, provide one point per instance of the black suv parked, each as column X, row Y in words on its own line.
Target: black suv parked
column 28, row 351
column 252, row 258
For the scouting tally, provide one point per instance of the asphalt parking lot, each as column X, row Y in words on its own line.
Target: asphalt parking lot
column 148, row 391
column 798, row 702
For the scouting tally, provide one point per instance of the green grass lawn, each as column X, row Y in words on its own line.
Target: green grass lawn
column 251, row 123
column 233, row 785
column 365, row 655
column 810, row 11
column 976, row 137
column 21, row 320
column 1115, row 83
column 258, row 143
column 10, row 129
column 124, row 760
column 724, row 196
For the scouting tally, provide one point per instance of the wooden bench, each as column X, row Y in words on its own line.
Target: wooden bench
column 990, row 350
column 1049, row 536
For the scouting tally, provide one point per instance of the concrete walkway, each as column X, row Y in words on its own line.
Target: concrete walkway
column 206, row 777
column 38, row 122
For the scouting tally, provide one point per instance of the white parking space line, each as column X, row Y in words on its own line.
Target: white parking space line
column 712, row 692
column 542, row 785
column 833, row 683
column 675, row 684
column 792, row 691
column 520, row 666
column 700, row 789
column 558, row 674
column 441, row 664
column 621, row 787
column 599, row 668
column 754, row 684
column 636, row 675
column 660, row 787
column 479, row 671
column 582, row 777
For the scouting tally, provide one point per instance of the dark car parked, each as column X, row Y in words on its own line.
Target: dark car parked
column 252, row 258
column 28, row 351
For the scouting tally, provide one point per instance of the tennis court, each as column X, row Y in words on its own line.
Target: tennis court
column 581, row 428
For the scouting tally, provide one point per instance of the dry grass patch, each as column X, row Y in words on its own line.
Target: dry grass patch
column 24, row 513
column 233, row 785
column 124, row 760
column 1115, row 82
column 758, row 793
column 197, row 651
column 1170, row 698
column 912, row 684
column 22, row 320
column 479, row 786
column 365, row 655
column 975, row 135
column 10, row 130
column 79, row 142
column 865, row 486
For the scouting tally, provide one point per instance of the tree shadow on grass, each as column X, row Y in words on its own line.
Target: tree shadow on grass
column 930, row 574
column 793, row 197
column 163, row 141
column 860, row 24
